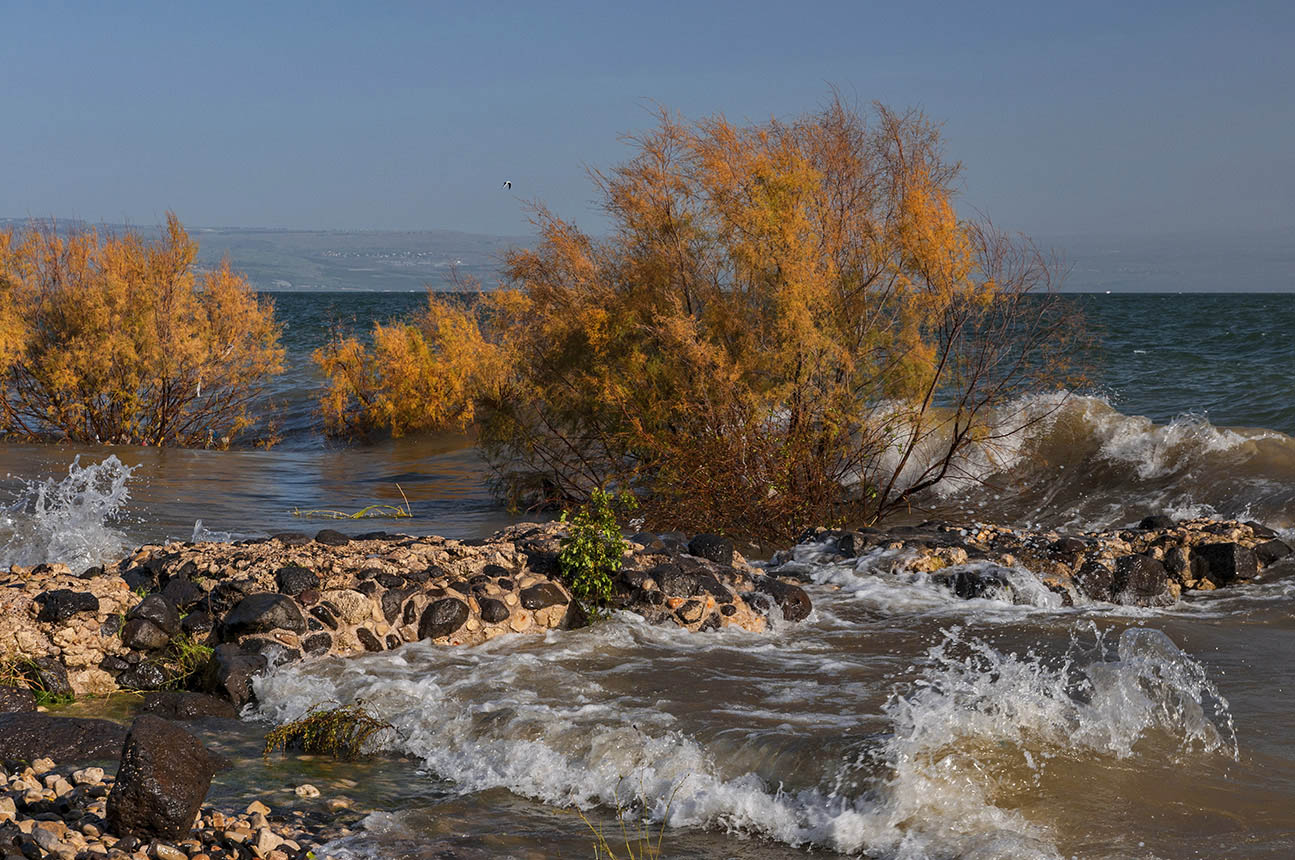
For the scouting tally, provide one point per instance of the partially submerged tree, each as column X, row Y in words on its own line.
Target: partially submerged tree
column 120, row 339
column 788, row 325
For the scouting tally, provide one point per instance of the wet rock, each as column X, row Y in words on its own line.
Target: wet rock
column 183, row 592
column 62, row 603
column 159, row 610
column 442, row 618
column 230, row 671
column 143, row 635
column 390, row 580
column 225, row 595
column 1260, row 530
column 17, row 700
column 291, row 538
column 369, row 640
column 326, row 614
column 369, row 588
column 542, row 595
column 261, row 613
column 1141, row 580
column 674, row 581
column 728, row 609
column 1272, row 551
column 293, row 579
column 331, row 537
column 27, row 737
column 161, row 782
column 691, row 611
column 140, row 579
column 1156, row 522
column 1225, row 562
column 1066, row 547
column 48, row 674
column 971, row 584
column 196, row 623
column 176, row 705
column 493, row 611
column 317, row 643
column 708, row 584
column 392, row 602
column 712, row 547
column 1096, row 581
column 146, row 675
column 794, row 601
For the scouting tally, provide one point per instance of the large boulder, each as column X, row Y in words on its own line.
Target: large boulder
column 542, row 595
column 17, row 700
column 713, row 547
column 161, row 782
column 261, row 613
column 1141, row 580
column 230, row 671
column 293, row 579
column 177, row 705
column 795, row 603
column 60, row 604
column 25, row 737
column 1226, row 562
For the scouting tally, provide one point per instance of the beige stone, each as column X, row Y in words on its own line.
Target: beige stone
column 520, row 621
column 352, row 606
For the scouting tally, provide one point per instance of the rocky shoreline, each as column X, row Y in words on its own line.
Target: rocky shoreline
column 212, row 616
column 1151, row 564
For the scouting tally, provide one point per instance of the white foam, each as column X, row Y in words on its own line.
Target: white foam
column 69, row 520
column 540, row 722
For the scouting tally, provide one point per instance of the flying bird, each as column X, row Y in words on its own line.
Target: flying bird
column 508, row 184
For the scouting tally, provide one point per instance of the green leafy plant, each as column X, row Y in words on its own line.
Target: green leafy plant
column 340, row 732
column 591, row 553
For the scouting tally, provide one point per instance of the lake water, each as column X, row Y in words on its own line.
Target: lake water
column 895, row 722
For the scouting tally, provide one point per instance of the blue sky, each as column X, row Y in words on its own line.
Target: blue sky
column 1076, row 118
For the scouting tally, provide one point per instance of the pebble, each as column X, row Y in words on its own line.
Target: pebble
column 306, row 790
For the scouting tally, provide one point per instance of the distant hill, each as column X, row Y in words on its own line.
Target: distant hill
column 399, row 261
column 344, row 260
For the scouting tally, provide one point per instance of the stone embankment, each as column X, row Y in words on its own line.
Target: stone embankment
column 1151, row 564
column 213, row 615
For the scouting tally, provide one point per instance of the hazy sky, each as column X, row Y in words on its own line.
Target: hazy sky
column 1080, row 117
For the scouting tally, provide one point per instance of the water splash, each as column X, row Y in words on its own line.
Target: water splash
column 68, row 520
column 549, row 726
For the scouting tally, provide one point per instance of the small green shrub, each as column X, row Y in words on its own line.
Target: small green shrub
column 340, row 732
column 591, row 552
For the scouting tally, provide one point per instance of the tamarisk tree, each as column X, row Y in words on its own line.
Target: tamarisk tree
column 787, row 325
column 121, row 340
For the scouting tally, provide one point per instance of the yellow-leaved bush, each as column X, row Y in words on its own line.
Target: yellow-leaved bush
column 787, row 325
column 120, row 339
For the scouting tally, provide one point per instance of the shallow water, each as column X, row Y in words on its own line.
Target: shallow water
column 896, row 722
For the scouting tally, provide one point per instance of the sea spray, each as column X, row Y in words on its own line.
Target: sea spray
column 68, row 520
column 548, row 720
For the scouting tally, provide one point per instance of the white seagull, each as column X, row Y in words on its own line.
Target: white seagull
column 508, row 184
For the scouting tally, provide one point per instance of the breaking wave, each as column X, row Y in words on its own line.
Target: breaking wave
column 68, row 520
column 944, row 778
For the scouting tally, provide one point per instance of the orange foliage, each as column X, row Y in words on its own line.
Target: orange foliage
column 118, row 339
column 788, row 325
